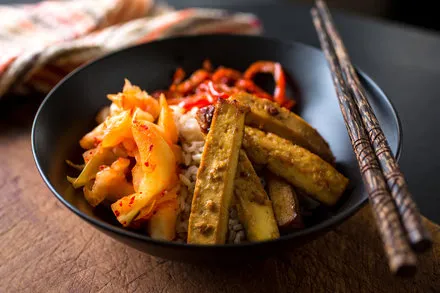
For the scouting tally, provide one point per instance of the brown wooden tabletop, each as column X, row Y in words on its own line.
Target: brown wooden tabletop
column 46, row 248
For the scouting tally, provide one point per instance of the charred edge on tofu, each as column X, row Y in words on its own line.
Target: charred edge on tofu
column 204, row 117
column 285, row 203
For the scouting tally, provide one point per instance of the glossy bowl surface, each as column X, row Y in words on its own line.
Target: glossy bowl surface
column 68, row 112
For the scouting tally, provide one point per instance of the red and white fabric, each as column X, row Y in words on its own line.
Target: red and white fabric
column 41, row 43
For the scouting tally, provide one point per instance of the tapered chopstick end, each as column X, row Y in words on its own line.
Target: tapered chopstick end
column 420, row 242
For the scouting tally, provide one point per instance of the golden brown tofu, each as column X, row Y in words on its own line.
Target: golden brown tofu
column 208, row 222
column 254, row 207
column 271, row 117
column 285, row 202
column 297, row 165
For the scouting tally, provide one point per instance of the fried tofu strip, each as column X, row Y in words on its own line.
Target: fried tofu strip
column 208, row 222
column 271, row 117
column 254, row 207
column 285, row 202
column 297, row 165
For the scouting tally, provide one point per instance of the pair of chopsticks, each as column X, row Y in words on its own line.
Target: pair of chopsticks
column 397, row 217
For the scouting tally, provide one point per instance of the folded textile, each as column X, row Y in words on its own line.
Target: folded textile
column 41, row 43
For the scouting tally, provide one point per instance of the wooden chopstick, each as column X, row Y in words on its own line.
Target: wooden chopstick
column 401, row 259
column 417, row 234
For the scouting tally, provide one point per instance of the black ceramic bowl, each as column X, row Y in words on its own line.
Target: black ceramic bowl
column 68, row 112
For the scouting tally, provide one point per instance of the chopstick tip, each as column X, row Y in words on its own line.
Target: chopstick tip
column 422, row 244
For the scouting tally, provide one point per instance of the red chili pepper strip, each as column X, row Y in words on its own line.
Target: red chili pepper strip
column 202, row 88
column 215, row 93
column 207, row 65
column 276, row 70
column 227, row 89
column 196, row 101
column 250, row 87
column 192, row 82
column 289, row 104
column 219, row 88
column 207, row 87
column 207, row 95
column 179, row 75
column 226, row 75
column 279, row 94
column 259, row 67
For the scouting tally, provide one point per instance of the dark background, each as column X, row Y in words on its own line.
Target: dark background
column 395, row 42
column 422, row 13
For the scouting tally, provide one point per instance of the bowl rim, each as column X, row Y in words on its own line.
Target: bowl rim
column 309, row 231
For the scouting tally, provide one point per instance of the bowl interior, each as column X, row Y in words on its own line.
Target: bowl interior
column 69, row 110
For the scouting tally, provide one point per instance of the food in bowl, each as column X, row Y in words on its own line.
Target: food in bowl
column 213, row 159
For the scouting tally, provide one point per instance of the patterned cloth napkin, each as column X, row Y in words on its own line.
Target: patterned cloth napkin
column 41, row 43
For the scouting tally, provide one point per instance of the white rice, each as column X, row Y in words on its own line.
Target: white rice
column 192, row 142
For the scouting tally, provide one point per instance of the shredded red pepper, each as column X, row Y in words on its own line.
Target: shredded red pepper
column 179, row 75
column 250, row 87
column 276, row 70
column 190, row 102
column 192, row 82
column 207, row 65
column 226, row 75
column 205, row 86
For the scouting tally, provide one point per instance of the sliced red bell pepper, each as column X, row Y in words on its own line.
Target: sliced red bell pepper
column 276, row 70
column 250, row 87
column 226, row 75
column 192, row 82
column 179, row 75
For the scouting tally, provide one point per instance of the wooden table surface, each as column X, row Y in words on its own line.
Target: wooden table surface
column 46, row 248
